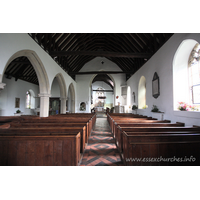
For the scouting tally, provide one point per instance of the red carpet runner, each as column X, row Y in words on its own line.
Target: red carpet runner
column 101, row 149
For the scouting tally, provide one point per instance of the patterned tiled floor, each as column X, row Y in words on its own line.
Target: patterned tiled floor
column 101, row 149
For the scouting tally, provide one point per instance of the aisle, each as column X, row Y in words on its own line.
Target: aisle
column 101, row 149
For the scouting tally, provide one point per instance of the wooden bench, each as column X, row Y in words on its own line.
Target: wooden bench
column 56, row 124
column 40, row 150
column 112, row 121
column 136, row 121
column 161, row 148
column 146, row 130
column 111, row 118
column 46, row 130
column 145, row 124
column 62, row 120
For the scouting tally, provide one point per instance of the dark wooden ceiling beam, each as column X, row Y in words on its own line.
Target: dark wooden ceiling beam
column 148, row 45
column 78, row 65
column 76, row 62
column 133, row 44
column 124, row 43
column 67, row 42
column 71, row 40
column 101, row 54
column 102, row 90
column 39, row 38
column 122, row 64
column 98, row 72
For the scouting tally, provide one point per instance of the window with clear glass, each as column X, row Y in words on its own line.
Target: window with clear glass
column 194, row 75
column 28, row 99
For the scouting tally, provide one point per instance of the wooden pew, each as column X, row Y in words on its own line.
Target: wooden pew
column 138, row 121
column 112, row 122
column 156, row 148
column 40, row 150
column 145, row 130
column 56, row 124
column 62, row 120
column 46, row 130
column 129, row 118
column 146, row 123
column 112, row 117
column 88, row 116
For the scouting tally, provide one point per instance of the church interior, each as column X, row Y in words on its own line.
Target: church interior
column 117, row 97
column 99, row 99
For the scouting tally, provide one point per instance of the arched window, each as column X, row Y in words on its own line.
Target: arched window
column 100, row 98
column 194, row 75
column 82, row 106
column 142, row 93
column 28, row 99
column 186, row 76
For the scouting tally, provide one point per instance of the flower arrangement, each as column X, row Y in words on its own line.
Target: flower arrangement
column 193, row 107
column 18, row 111
column 154, row 109
column 182, row 106
column 134, row 107
column 186, row 107
column 144, row 107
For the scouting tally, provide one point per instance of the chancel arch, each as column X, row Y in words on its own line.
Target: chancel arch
column 102, row 90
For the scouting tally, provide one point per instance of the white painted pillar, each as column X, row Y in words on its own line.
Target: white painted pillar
column 73, row 106
column 63, row 105
column 44, row 104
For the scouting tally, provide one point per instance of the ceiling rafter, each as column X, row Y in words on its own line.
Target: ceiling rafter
column 127, row 50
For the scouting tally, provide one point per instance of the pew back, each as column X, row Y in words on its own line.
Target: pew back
column 40, row 150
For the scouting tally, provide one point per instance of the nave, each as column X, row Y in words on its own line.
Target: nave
column 101, row 149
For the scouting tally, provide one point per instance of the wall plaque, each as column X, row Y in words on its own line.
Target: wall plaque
column 155, row 86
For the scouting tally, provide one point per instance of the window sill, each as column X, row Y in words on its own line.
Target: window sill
column 189, row 114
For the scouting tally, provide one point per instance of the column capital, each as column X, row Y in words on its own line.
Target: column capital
column 63, row 98
column 2, row 85
column 44, row 95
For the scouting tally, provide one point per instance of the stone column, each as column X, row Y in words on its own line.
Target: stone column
column 72, row 106
column 44, row 104
column 63, row 105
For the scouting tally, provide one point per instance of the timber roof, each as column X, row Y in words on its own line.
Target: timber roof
column 130, row 51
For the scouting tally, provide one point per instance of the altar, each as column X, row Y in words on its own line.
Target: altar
column 99, row 109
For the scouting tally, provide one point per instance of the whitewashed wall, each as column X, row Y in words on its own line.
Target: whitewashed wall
column 162, row 63
column 55, row 89
column 16, row 89
column 12, row 43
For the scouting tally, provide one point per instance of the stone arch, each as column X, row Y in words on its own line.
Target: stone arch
column 142, row 92
column 72, row 92
column 180, row 72
column 63, row 92
column 114, row 89
column 42, row 76
column 38, row 67
column 62, row 85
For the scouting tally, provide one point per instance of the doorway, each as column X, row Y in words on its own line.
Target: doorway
column 54, row 106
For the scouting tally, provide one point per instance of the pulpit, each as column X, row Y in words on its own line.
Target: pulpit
column 119, row 109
